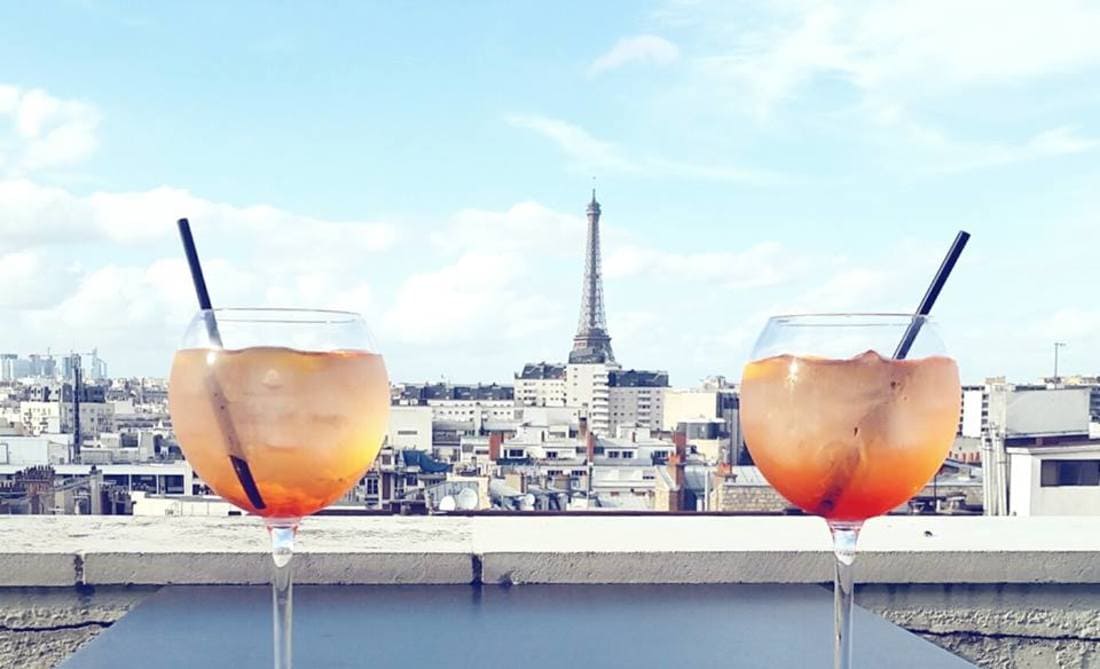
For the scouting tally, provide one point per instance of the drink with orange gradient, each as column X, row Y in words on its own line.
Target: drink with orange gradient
column 845, row 432
column 849, row 439
column 281, row 412
column 308, row 423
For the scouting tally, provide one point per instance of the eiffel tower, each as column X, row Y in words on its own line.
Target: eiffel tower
column 592, row 344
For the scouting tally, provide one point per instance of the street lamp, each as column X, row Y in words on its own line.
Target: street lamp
column 1057, row 345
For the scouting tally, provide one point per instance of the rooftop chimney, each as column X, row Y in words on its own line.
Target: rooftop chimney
column 495, row 440
column 676, row 465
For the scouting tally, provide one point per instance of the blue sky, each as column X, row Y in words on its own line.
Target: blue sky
column 429, row 165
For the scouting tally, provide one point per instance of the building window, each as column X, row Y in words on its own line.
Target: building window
column 515, row 453
column 1070, row 473
column 410, row 481
column 372, row 486
column 613, row 454
column 628, row 455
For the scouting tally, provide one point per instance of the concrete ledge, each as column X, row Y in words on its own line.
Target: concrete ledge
column 709, row 549
column 38, row 568
column 106, row 550
column 210, row 567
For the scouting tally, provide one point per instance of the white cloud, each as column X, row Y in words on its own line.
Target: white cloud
column 577, row 143
column 495, row 285
column 884, row 68
column 636, row 49
column 475, row 296
column 1073, row 325
column 765, row 67
column 764, row 264
column 522, row 227
column 136, row 313
column 852, row 289
column 635, row 325
column 957, row 156
column 942, row 153
column 320, row 287
column 32, row 215
column 9, row 98
column 1061, row 141
column 129, row 309
column 39, row 131
column 84, row 270
column 590, row 154
column 961, row 44
column 29, row 280
column 900, row 49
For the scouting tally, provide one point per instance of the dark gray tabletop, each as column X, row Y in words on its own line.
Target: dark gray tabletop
column 527, row 626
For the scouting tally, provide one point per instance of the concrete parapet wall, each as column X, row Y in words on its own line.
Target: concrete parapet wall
column 1005, row 592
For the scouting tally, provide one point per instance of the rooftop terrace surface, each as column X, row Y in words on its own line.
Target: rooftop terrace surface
column 495, row 627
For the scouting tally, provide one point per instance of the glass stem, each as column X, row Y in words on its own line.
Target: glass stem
column 845, row 536
column 282, row 531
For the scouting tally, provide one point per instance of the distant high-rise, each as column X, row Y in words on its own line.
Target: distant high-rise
column 592, row 343
column 41, row 367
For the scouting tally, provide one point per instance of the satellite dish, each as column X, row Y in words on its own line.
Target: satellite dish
column 447, row 503
column 467, row 499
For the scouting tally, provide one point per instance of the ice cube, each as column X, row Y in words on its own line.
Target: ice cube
column 843, row 459
column 272, row 380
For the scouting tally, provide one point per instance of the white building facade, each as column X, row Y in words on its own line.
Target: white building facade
column 1062, row 480
column 541, row 385
column 587, row 385
column 52, row 416
column 681, row 406
column 476, row 412
column 410, row 427
column 636, row 399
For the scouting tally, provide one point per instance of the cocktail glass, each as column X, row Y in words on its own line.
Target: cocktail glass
column 281, row 412
column 842, row 430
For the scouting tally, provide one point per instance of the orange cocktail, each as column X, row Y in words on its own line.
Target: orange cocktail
column 308, row 423
column 849, row 439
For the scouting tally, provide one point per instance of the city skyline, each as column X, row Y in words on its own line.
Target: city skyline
column 435, row 178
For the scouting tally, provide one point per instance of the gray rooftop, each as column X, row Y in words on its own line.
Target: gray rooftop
column 637, row 378
column 542, row 370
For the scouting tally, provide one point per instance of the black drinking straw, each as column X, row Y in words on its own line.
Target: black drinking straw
column 933, row 292
column 236, row 453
